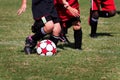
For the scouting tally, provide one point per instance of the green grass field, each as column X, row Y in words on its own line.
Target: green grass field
column 99, row 59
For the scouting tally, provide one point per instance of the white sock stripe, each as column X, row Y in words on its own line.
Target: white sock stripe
column 42, row 30
column 57, row 37
column 95, row 20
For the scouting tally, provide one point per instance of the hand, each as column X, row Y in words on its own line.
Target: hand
column 22, row 9
column 73, row 11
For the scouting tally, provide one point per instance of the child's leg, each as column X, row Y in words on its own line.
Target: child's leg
column 107, row 14
column 56, row 33
column 94, row 15
column 64, row 31
column 39, row 34
column 94, row 19
column 48, row 27
column 77, row 34
column 78, row 38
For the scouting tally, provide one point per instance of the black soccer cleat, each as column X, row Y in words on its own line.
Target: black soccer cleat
column 29, row 45
column 64, row 39
column 93, row 35
column 27, row 50
column 78, row 46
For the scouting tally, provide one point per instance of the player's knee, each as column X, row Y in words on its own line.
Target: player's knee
column 57, row 29
column 95, row 14
column 112, row 13
column 49, row 26
column 76, row 26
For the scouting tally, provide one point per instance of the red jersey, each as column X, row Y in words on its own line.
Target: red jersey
column 63, row 13
column 105, row 5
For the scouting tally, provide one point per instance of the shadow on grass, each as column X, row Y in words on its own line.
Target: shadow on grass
column 70, row 45
column 104, row 34
column 118, row 12
column 33, row 51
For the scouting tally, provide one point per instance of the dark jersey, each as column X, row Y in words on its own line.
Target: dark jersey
column 42, row 8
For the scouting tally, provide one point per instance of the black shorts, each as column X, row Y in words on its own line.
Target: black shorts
column 69, row 23
column 44, row 8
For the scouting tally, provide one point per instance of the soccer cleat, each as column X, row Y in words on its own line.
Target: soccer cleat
column 29, row 45
column 78, row 46
column 64, row 39
column 78, row 49
column 93, row 35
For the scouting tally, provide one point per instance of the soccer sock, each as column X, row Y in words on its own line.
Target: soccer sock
column 93, row 24
column 39, row 35
column 64, row 30
column 54, row 39
column 78, row 38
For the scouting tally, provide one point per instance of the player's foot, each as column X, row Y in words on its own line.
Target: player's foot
column 93, row 35
column 29, row 45
column 78, row 47
column 64, row 39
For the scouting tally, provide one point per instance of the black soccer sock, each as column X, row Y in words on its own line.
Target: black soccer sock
column 64, row 30
column 54, row 39
column 78, row 38
column 93, row 24
column 39, row 35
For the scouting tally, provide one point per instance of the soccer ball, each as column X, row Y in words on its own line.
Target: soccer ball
column 46, row 48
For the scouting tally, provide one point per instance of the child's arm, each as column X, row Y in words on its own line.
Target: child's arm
column 65, row 3
column 22, row 8
column 73, row 11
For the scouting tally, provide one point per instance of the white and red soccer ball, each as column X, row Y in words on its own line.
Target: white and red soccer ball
column 46, row 48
